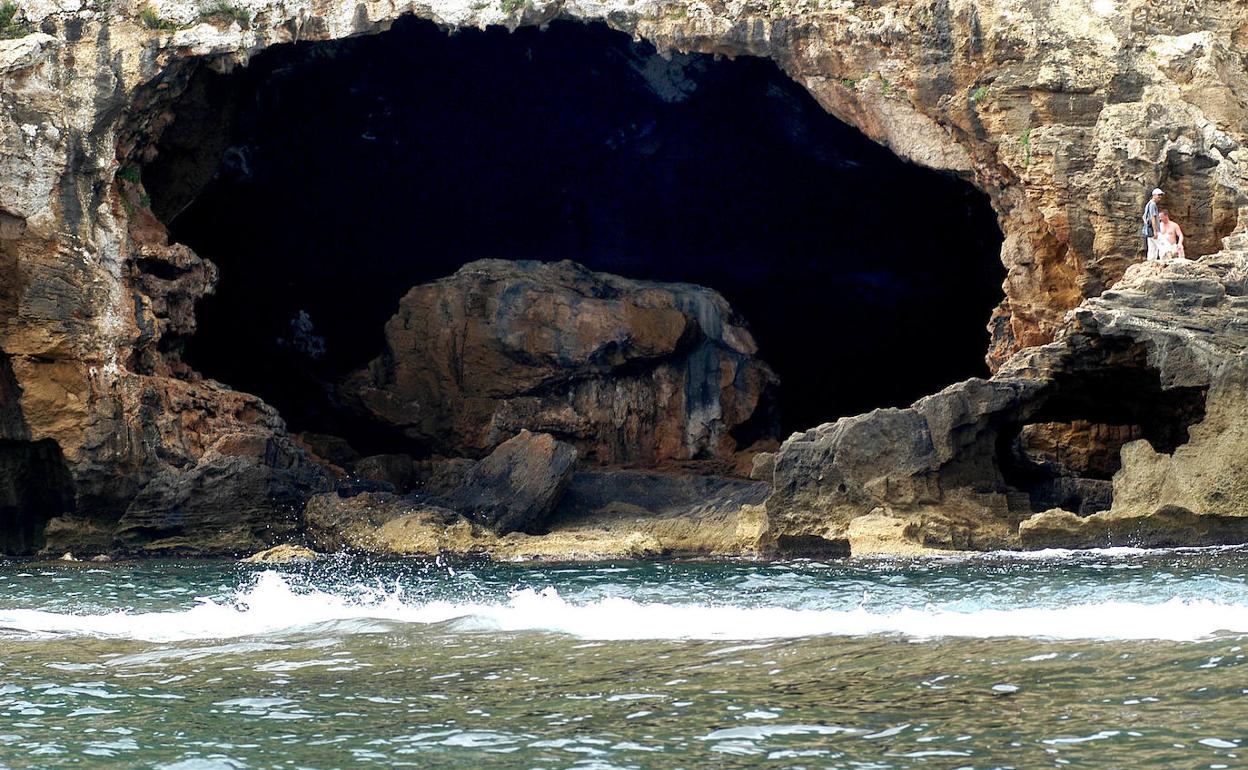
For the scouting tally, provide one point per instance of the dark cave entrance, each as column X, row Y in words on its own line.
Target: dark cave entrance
column 35, row 486
column 326, row 179
column 35, row 483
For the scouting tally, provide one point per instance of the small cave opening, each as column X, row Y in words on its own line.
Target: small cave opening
column 35, row 486
column 1066, row 453
column 326, row 179
column 35, row 482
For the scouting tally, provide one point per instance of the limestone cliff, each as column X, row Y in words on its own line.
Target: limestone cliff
column 1065, row 113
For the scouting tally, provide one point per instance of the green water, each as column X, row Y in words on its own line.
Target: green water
column 1112, row 659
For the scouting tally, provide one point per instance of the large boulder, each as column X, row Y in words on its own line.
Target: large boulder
column 627, row 371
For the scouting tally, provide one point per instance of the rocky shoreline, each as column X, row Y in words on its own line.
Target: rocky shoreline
column 1114, row 416
column 957, row 471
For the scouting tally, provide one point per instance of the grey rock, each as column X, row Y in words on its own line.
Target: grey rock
column 518, row 485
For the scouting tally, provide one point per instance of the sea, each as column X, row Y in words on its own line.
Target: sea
column 1119, row 658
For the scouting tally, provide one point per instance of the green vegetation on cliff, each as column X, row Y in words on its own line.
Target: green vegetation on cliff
column 10, row 27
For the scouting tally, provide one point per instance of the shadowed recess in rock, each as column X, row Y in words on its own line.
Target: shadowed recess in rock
column 35, row 486
column 12, row 421
column 1066, row 453
column 35, row 483
column 326, row 179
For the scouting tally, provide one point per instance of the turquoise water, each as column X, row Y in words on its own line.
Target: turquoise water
column 1107, row 659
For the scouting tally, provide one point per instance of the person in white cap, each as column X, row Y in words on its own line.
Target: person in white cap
column 1152, row 225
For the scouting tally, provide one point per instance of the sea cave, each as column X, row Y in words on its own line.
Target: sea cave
column 326, row 179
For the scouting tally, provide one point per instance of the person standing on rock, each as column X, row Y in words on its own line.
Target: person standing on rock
column 1169, row 238
column 1152, row 224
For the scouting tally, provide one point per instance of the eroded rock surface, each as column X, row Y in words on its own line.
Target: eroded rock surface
column 1156, row 364
column 628, row 371
column 1066, row 113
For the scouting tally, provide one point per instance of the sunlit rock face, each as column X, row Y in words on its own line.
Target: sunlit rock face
column 1064, row 113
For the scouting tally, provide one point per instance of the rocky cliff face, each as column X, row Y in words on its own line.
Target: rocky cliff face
column 1142, row 390
column 630, row 371
column 1065, row 113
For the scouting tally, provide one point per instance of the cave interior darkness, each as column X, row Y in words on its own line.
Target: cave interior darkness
column 328, row 178
column 35, row 481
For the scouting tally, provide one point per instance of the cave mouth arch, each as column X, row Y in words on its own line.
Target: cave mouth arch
column 327, row 178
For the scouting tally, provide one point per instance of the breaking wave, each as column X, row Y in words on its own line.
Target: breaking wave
column 273, row 605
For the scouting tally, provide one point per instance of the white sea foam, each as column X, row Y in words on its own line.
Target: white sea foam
column 1063, row 555
column 271, row 605
column 1115, row 552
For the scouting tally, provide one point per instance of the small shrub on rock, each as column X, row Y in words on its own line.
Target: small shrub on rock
column 10, row 27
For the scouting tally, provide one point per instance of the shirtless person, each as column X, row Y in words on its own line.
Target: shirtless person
column 1169, row 237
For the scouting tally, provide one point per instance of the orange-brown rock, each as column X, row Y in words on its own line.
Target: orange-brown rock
column 627, row 371
column 1079, row 447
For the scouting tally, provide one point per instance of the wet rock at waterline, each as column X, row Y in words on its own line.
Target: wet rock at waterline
column 1167, row 527
column 602, row 514
column 515, row 488
column 336, row 523
column 283, row 554
column 225, row 476
column 627, row 371
column 518, row 485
